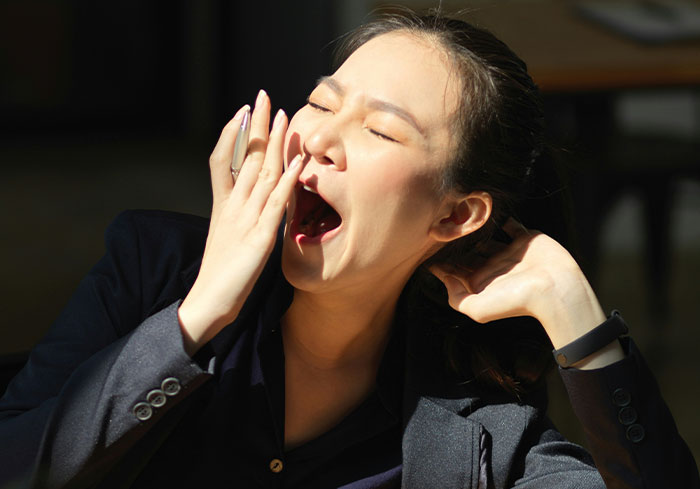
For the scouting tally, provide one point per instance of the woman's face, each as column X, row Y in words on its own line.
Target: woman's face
column 376, row 136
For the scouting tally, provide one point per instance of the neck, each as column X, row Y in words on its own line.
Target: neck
column 341, row 330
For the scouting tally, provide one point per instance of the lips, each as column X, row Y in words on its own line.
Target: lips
column 313, row 216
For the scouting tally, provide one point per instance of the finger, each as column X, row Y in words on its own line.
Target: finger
column 260, row 125
column 491, row 271
column 276, row 204
column 481, row 307
column 269, row 174
column 484, row 309
column 454, row 283
column 220, row 159
column 458, row 293
column 514, row 228
column 257, row 145
column 259, row 128
column 456, row 289
column 475, row 281
column 275, row 146
column 491, row 248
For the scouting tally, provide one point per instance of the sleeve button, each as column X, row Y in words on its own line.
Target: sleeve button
column 627, row 415
column 156, row 398
column 635, row 433
column 621, row 397
column 143, row 411
column 171, row 386
column 276, row 465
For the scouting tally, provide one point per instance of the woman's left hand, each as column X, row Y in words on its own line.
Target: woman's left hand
column 533, row 276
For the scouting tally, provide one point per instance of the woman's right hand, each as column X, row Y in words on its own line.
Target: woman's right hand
column 244, row 222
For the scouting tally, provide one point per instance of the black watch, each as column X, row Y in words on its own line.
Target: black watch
column 591, row 342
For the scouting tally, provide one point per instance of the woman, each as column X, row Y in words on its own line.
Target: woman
column 327, row 357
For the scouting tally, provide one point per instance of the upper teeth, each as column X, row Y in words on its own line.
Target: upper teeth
column 306, row 187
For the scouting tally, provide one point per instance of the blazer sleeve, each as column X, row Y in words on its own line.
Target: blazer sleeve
column 630, row 431
column 111, row 365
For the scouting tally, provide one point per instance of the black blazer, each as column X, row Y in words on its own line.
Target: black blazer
column 78, row 414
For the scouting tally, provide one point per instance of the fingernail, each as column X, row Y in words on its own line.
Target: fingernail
column 278, row 118
column 261, row 97
column 241, row 112
column 295, row 162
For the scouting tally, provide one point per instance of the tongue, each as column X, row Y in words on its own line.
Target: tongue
column 326, row 222
column 320, row 220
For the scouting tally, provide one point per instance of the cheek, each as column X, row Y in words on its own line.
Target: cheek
column 403, row 192
column 398, row 210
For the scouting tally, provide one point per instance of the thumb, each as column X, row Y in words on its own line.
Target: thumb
column 457, row 289
column 454, row 285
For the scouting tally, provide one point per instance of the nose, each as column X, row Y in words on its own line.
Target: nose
column 324, row 144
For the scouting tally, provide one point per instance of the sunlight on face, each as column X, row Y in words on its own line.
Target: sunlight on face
column 376, row 135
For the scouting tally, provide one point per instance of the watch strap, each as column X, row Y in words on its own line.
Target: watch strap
column 591, row 342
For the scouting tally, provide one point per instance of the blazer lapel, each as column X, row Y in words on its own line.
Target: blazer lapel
column 443, row 446
column 443, row 449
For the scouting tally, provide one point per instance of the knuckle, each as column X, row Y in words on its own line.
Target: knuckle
column 214, row 160
column 257, row 145
column 266, row 176
column 231, row 126
column 275, row 201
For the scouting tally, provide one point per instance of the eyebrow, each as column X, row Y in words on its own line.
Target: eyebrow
column 374, row 103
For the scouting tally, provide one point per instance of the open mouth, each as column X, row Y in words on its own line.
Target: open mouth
column 313, row 216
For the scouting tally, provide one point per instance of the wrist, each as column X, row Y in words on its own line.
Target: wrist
column 572, row 313
column 597, row 348
column 607, row 355
column 191, row 328
column 198, row 324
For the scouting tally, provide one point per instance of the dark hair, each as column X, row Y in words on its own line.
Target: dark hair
column 500, row 150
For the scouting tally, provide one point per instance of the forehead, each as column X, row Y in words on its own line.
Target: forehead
column 406, row 69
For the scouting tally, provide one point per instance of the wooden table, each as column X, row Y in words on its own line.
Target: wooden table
column 568, row 53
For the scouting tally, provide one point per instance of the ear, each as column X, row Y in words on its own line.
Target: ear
column 462, row 215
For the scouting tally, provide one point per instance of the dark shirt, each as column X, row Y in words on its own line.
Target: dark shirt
column 235, row 433
column 69, row 414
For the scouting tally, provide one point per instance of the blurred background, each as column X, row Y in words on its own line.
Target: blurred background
column 106, row 106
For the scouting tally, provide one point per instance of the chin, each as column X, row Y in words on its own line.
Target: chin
column 302, row 269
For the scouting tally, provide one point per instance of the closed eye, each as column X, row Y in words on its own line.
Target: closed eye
column 382, row 136
column 318, row 107
column 322, row 108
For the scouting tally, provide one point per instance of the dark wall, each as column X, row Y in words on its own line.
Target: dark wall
column 79, row 65
column 145, row 66
column 106, row 106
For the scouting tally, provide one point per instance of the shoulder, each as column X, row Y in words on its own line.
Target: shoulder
column 155, row 255
column 158, row 228
column 157, row 234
